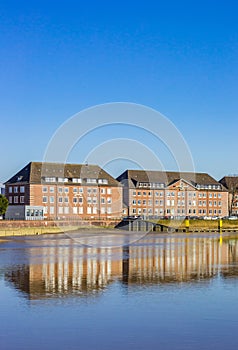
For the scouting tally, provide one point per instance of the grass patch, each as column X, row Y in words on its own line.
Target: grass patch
column 200, row 224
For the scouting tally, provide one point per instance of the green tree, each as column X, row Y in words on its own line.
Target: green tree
column 3, row 204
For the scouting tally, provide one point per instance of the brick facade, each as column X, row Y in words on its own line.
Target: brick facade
column 157, row 194
column 97, row 195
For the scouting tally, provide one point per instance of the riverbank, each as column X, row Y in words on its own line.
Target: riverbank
column 39, row 227
column 200, row 224
column 29, row 228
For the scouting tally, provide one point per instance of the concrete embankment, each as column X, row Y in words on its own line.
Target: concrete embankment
column 25, row 228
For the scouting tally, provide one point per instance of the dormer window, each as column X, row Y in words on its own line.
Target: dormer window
column 103, row 181
column 50, row 179
column 91, row 181
column 76, row 180
column 63, row 179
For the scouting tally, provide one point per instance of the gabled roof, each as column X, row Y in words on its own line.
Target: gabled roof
column 36, row 172
column 180, row 182
column 230, row 182
column 133, row 177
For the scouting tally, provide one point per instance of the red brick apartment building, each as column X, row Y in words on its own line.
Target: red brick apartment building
column 231, row 183
column 173, row 194
column 60, row 191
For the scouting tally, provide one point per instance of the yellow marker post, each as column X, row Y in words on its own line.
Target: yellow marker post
column 220, row 224
column 187, row 224
column 220, row 240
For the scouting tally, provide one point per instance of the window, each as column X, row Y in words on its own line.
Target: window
column 80, row 190
column 52, row 190
column 80, row 199
column 44, row 189
column 134, row 193
column 44, row 199
column 89, row 210
column 109, row 191
column 75, row 210
column 15, row 189
column 60, row 189
column 103, row 200
column 52, row 199
column 94, row 200
column 60, row 199
column 103, row 191
column 50, row 179
column 10, row 189
column 66, row 190
column 139, row 202
column 80, row 210
column 79, row 181
column 22, row 189
column 66, row 199
column 21, row 199
column 94, row 210
column 75, row 200
column 60, row 210
column 63, row 179
column 52, row 210
column 91, row 181
column 134, row 202
column 139, row 193
column 103, row 181
column 10, row 199
column 66, row 210
column 103, row 210
column 109, row 200
column 109, row 210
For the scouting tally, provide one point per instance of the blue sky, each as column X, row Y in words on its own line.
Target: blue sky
column 178, row 57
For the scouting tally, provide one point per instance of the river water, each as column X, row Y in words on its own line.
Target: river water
column 159, row 292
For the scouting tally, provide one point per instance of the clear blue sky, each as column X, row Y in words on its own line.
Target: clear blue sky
column 179, row 57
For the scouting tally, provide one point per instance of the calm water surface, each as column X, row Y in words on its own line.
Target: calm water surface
column 162, row 292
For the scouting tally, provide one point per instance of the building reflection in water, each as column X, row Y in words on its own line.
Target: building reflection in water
column 57, row 269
